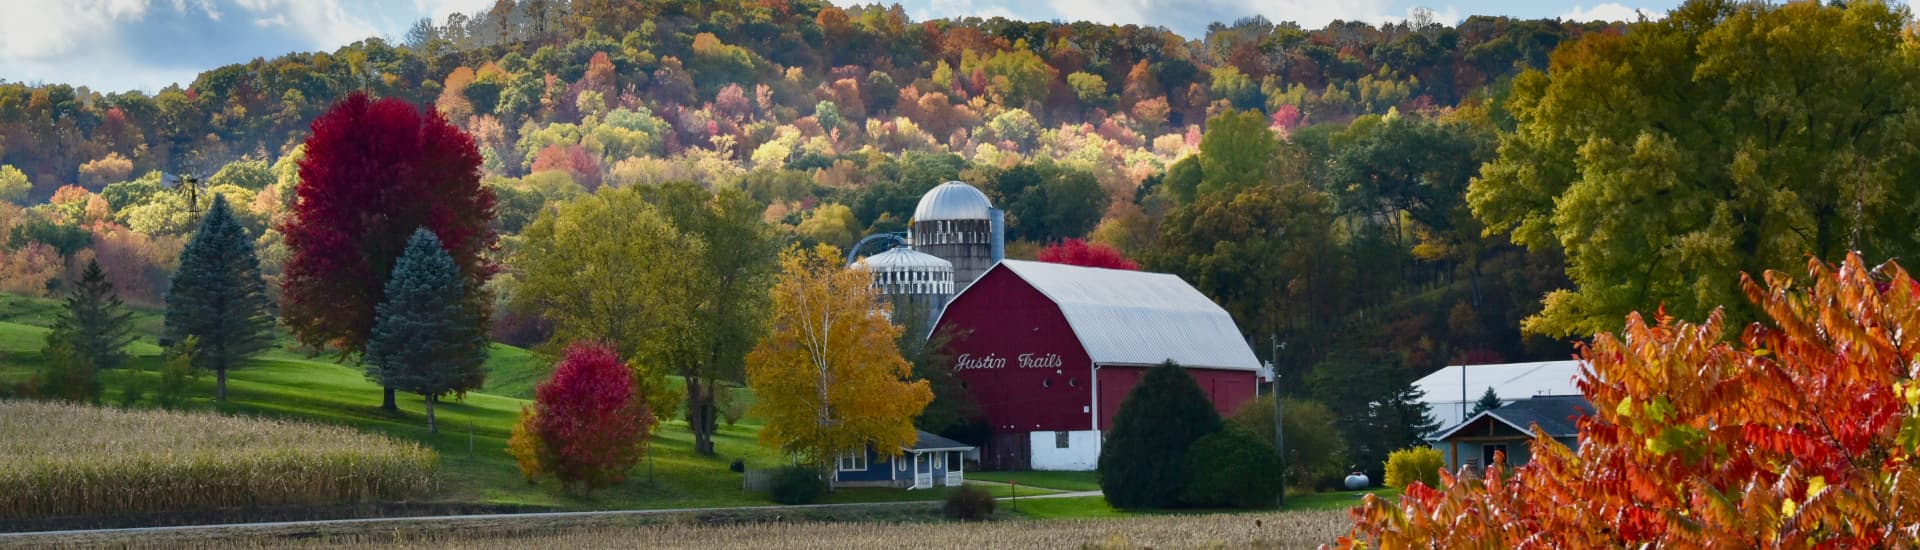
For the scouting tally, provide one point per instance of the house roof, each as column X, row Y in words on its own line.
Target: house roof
column 1510, row 380
column 928, row 442
column 1138, row 318
column 1555, row 414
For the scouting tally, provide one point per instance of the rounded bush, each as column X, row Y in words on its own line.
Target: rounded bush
column 969, row 504
column 1412, row 464
column 797, row 485
column 1233, row 468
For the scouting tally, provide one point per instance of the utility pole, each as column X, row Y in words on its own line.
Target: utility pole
column 1279, row 427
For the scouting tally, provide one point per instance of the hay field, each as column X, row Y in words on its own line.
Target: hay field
column 1297, row 529
column 64, row 460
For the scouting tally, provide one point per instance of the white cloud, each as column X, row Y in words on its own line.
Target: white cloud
column 438, row 10
column 1609, row 11
column 1449, row 16
column 324, row 22
column 1186, row 15
column 55, row 28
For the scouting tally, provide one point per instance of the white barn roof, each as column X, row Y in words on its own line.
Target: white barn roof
column 1139, row 318
column 1511, row 381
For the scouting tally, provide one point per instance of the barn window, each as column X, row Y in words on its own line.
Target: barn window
column 1060, row 440
column 853, row 461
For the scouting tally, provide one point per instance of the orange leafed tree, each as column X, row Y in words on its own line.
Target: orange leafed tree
column 1801, row 434
column 828, row 379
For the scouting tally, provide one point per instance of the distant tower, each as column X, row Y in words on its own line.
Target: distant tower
column 918, row 284
column 957, row 223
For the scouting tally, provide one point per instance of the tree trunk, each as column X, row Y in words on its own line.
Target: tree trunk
column 388, row 404
column 700, row 414
column 220, row 384
column 431, row 429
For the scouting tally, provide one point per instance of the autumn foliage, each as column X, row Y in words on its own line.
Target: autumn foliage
column 587, row 426
column 829, row 378
column 375, row 171
column 1082, row 253
column 1801, row 434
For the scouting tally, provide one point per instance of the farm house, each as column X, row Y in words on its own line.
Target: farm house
column 1049, row 352
column 932, row 461
column 1507, row 429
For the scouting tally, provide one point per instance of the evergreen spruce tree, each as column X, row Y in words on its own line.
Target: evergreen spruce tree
column 1488, row 401
column 219, row 298
column 1144, row 462
column 424, row 340
column 92, row 333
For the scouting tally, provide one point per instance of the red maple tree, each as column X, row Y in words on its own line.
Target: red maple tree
column 375, row 171
column 590, row 423
column 1082, row 253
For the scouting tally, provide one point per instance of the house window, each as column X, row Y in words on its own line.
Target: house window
column 854, row 461
column 1060, row 440
column 953, row 461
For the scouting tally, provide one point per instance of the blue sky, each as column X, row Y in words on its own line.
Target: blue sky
column 148, row 44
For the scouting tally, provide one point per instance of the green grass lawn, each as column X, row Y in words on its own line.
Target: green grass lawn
column 1335, row 500
column 473, row 431
column 1062, row 481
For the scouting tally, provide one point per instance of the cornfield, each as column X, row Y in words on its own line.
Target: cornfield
column 64, row 460
column 1303, row 529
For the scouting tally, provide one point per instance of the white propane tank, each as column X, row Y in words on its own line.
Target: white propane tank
column 1356, row 481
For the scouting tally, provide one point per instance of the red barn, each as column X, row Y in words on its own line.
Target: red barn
column 1049, row 351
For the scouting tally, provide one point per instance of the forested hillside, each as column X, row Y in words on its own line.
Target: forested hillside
column 1311, row 180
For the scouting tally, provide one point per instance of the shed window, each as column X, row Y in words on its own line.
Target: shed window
column 1060, row 440
column 853, row 461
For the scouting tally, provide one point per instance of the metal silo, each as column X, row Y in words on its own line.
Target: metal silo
column 955, row 221
column 918, row 284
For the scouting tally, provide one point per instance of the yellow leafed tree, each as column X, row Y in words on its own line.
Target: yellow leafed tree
column 828, row 378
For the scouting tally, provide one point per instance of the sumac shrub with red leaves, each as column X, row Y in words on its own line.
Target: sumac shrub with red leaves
column 1802, row 433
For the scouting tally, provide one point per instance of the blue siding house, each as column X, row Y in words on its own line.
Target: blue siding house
column 1508, row 428
column 932, row 461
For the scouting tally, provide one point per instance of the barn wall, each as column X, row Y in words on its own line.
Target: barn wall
column 1228, row 389
column 1001, row 320
column 1081, row 453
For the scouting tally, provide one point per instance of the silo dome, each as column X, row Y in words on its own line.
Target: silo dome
column 953, row 200
column 904, row 270
column 919, row 284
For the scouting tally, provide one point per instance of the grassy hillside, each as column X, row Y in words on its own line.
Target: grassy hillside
column 287, row 384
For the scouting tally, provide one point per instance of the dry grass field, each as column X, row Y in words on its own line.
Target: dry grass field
column 1299, row 529
column 59, row 460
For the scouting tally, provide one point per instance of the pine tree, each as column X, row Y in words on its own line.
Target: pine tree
column 1144, row 462
column 1488, row 401
column 91, row 334
column 424, row 340
column 219, row 298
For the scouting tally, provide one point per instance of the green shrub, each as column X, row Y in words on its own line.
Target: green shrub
column 1316, row 455
column 1143, row 463
column 797, row 485
column 1233, row 468
column 969, row 504
column 1412, row 464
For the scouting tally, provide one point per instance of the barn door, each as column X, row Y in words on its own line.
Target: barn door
column 1007, row 451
